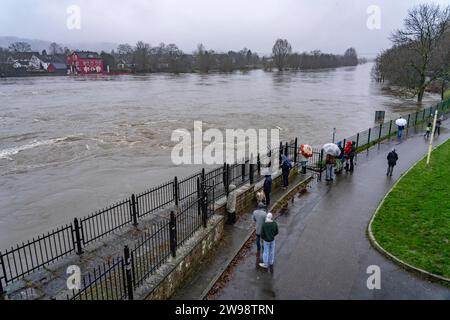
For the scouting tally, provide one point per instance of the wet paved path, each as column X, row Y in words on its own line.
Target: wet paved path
column 322, row 249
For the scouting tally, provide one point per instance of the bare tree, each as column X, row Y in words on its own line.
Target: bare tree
column 280, row 53
column 55, row 48
column 424, row 29
column 124, row 49
column 20, row 47
column 141, row 56
column 204, row 59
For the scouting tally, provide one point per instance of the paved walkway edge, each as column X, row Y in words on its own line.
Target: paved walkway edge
column 249, row 235
column 420, row 272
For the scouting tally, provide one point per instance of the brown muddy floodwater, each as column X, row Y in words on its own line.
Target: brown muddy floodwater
column 70, row 146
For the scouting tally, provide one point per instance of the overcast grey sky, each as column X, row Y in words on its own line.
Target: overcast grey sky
column 328, row 25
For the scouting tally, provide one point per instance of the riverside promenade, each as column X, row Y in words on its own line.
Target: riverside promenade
column 322, row 251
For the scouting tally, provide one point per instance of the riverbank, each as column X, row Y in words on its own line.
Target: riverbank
column 413, row 222
column 103, row 138
column 322, row 249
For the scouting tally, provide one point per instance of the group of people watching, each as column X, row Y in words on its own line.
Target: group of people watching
column 345, row 160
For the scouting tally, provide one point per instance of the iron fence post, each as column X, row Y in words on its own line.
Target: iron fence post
column 357, row 141
column 134, row 209
column 78, row 248
column 423, row 114
column 128, row 277
column 199, row 195
column 286, row 149
column 3, row 270
column 296, row 150
column 203, row 176
column 1, row 290
column 258, row 164
column 368, row 138
column 251, row 169
column 379, row 133
column 227, row 187
column 243, row 172
column 417, row 114
column 173, row 234
column 409, row 117
column 176, row 191
column 204, row 203
column 224, row 176
column 320, row 164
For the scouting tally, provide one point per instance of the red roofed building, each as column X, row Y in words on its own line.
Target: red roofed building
column 85, row 62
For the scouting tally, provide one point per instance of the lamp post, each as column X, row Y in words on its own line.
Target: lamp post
column 430, row 147
column 334, row 134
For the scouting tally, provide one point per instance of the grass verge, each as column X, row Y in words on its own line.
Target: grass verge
column 413, row 223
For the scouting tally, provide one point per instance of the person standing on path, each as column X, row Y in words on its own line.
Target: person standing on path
column 269, row 231
column 400, row 133
column 392, row 159
column 330, row 161
column 438, row 127
column 259, row 216
column 340, row 159
column 351, row 155
column 285, row 170
column 267, row 188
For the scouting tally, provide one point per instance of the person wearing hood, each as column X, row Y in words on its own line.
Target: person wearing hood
column 259, row 216
column 267, row 188
column 269, row 231
column 392, row 159
column 231, row 204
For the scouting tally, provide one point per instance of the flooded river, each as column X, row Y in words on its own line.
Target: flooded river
column 70, row 146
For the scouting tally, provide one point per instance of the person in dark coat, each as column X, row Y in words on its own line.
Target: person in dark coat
column 267, row 188
column 340, row 159
column 392, row 159
column 285, row 170
column 438, row 127
column 351, row 155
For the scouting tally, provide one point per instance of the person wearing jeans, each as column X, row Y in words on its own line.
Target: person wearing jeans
column 330, row 162
column 269, row 231
column 259, row 216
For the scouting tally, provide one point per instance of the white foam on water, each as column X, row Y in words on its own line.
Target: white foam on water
column 7, row 153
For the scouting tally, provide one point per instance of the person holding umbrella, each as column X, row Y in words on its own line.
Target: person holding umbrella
column 332, row 151
column 306, row 152
column 401, row 123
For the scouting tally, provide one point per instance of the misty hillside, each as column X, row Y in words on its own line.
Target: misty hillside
column 39, row 45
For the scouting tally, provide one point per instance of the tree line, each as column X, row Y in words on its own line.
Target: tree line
column 420, row 55
column 144, row 58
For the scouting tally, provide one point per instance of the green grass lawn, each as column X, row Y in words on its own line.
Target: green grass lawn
column 413, row 223
column 447, row 94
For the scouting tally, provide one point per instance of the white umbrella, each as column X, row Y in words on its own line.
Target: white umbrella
column 401, row 122
column 331, row 149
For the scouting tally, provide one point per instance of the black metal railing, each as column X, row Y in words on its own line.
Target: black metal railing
column 34, row 254
column 117, row 280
